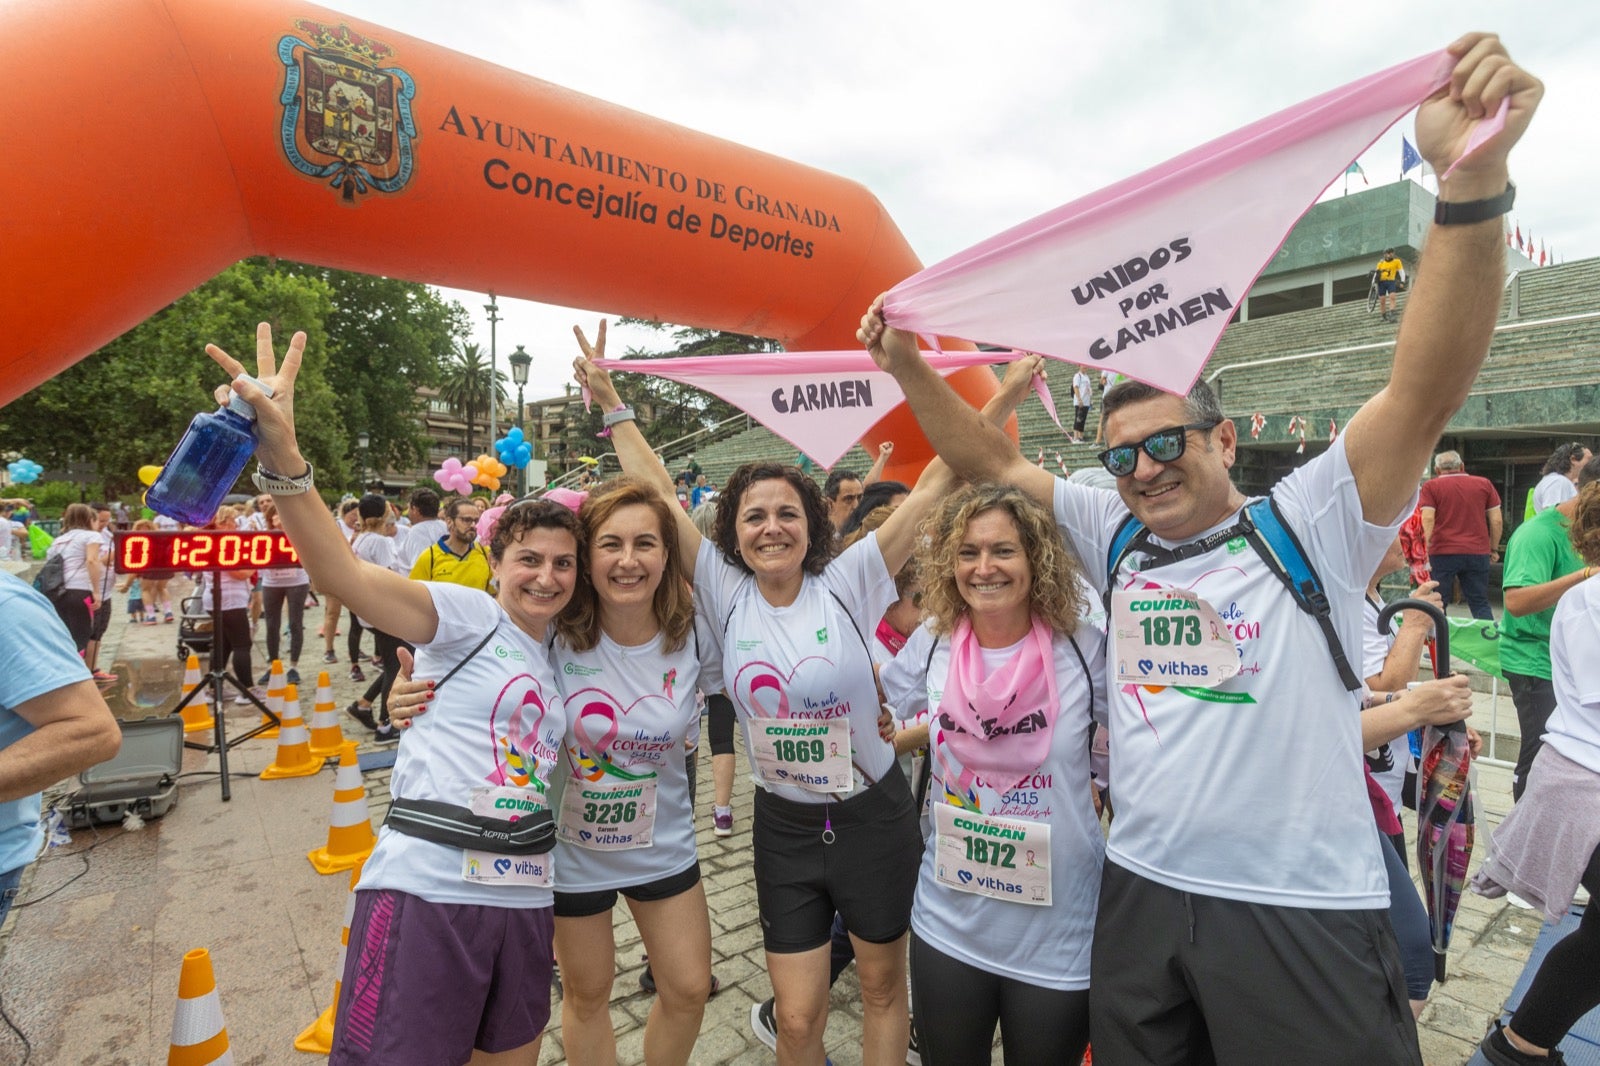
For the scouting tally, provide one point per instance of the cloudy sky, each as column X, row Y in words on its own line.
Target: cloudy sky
column 966, row 118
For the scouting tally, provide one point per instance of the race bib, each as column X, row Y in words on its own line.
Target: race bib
column 608, row 815
column 1002, row 858
column 1170, row 637
column 809, row 753
column 492, row 868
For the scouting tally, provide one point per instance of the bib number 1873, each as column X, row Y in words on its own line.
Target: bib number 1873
column 1162, row 631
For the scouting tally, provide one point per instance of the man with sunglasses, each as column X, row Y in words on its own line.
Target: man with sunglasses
column 1242, row 910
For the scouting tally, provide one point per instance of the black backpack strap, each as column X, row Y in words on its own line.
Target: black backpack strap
column 1269, row 534
column 470, row 656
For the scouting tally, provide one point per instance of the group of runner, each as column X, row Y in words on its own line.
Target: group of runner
column 1236, row 913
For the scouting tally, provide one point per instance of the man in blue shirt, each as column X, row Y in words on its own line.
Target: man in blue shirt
column 53, row 722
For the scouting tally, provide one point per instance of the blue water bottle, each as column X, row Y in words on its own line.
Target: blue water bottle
column 206, row 462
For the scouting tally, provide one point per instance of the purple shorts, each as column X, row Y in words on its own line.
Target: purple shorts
column 426, row 983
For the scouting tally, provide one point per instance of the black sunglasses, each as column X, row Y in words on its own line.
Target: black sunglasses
column 1164, row 446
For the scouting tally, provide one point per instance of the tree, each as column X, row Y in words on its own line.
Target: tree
column 467, row 384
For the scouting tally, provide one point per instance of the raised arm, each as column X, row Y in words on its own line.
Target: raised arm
column 1450, row 316
column 370, row 591
column 1405, row 655
column 638, row 458
column 975, row 447
column 874, row 475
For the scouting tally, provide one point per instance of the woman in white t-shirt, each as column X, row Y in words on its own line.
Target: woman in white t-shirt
column 1013, row 676
column 627, row 660
column 79, row 547
column 835, row 828
column 450, row 954
column 1550, row 842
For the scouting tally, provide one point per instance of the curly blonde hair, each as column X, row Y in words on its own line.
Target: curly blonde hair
column 1585, row 531
column 1057, row 593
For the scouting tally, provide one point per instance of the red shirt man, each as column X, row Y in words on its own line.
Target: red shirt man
column 1461, row 523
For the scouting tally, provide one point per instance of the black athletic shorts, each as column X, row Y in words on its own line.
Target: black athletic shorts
column 867, row 874
column 102, row 620
column 583, row 904
column 1180, row 978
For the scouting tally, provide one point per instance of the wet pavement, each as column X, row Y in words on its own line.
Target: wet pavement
column 89, row 961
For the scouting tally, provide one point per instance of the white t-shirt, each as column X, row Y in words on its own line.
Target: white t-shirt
column 1044, row 946
column 1551, row 490
column 504, row 697
column 73, row 547
column 8, row 538
column 1082, row 390
column 411, row 543
column 108, row 564
column 378, row 550
column 650, row 696
column 1574, row 726
column 165, row 522
column 286, row 578
column 817, row 648
column 235, row 590
column 1388, row 761
column 1252, row 790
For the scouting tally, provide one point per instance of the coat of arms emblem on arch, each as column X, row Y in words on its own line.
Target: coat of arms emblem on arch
column 346, row 116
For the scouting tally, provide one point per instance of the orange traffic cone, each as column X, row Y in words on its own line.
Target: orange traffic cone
column 294, row 758
column 350, row 836
column 317, row 1038
column 199, row 1037
column 326, row 736
column 275, row 687
column 196, row 713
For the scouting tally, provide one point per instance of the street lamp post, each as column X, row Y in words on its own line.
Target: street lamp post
column 494, row 316
column 519, row 361
column 362, row 440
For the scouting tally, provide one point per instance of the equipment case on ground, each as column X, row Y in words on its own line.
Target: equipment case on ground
column 141, row 778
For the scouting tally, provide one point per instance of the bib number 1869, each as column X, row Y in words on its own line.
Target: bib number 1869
column 800, row 750
column 992, row 854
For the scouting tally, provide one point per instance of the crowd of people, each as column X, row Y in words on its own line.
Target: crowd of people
column 947, row 691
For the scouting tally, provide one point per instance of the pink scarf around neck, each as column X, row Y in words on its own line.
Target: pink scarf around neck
column 999, row 726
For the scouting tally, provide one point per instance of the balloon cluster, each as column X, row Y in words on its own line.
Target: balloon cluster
column 513, row 448
column 490, row 471
column 24, row 471
column 453, row 477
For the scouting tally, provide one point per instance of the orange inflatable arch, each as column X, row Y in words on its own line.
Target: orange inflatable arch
column 152, row 143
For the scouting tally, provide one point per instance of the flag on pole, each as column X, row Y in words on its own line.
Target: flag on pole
column 1409, row 157
column 1519, row 236
column 1355, row 168
column 1541, row 253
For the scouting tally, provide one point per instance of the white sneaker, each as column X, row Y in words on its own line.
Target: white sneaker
column 1518, row 902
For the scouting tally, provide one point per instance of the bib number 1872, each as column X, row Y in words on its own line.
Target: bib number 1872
column 991, row 853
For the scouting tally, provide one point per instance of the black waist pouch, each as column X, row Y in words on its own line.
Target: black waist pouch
column 457, row 827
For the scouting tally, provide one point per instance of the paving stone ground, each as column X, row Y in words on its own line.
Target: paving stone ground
column 89, row 967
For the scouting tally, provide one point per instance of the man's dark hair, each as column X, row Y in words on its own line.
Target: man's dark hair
column 426, row 501
column 1589, row 471
column 819, row 531
column 1561, row 459
column 1200, row 404
column 453, row 508
column 1388, row 252
column 873, row 496
column 835, row 479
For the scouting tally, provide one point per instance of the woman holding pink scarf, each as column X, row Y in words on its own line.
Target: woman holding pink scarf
column 1004, row 910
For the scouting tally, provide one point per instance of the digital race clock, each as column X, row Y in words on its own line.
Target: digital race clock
column 188, row 550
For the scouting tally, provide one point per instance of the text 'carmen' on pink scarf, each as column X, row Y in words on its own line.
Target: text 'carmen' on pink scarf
column 1000, row 726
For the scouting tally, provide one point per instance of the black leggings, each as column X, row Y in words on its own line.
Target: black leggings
column 1567, row 985
column 387, row 649
column 957, row 1007
column 720, row 727
column 235, row 637
column 272, row 599
column 352, row 642
column 73, row 607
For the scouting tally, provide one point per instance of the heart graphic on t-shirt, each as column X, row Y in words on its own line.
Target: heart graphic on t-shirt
column 502, row 865
column 1145, row 666
column 594, row 718
column 764, row 692
column 965, row 876
column 520, row 705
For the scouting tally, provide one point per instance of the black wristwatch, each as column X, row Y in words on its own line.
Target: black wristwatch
column 1469, row 211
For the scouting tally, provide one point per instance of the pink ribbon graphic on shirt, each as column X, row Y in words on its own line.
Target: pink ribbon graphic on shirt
column 956, row 780
column 520, row 765
column 762, row 682
column 594, row 753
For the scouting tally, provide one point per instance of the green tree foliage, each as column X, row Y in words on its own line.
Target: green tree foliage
column 466, row 385
column 370, row 343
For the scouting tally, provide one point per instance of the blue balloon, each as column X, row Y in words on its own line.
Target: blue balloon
column 513, row 448
column 24, row 471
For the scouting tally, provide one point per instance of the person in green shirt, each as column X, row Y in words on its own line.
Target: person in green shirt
column 1540, row 565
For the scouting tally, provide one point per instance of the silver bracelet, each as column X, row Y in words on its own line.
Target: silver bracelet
column 278, row 485
column 621, row 414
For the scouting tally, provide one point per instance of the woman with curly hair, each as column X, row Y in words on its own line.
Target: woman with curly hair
column 1013, row 675
column 835, row 828
column 1550, row 842
column 450, row 953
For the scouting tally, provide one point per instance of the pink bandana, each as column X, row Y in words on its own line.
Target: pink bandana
column 999, row 726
